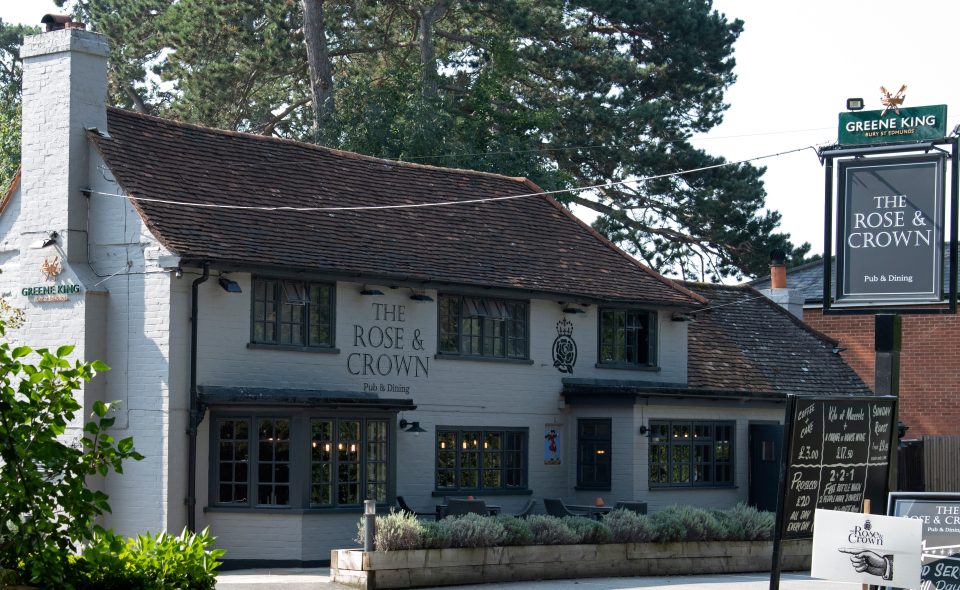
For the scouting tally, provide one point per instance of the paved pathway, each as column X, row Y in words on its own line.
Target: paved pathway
column 319, row 579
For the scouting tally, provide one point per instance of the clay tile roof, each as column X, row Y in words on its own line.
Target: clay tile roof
column 531, row 244
column 745, row 342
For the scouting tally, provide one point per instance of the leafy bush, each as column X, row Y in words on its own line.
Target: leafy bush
column 396, row 531
column 626, row 526
column 475, row 530
column 550, row 530
column 435, row 536
column 399, row 530
column 746, row 523
column 588, row 530
column 517, row 530
column 48, row 508
column 148, row 562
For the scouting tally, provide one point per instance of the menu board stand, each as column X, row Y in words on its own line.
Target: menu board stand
column 836, row 454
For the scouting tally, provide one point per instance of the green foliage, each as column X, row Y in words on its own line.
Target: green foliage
column 746, row 523
column 46, row 506
column 626, row 526
column 550, row 530
column 395, row 531
column 588, row 530
column 475, row 530
column 517, row 530
column 147, row 562
column 435, row 535
column 11, row 74
column 565, row 93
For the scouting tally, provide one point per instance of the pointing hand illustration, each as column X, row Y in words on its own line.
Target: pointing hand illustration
column 865, row 560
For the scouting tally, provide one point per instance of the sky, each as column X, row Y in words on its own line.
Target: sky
column 797, row 63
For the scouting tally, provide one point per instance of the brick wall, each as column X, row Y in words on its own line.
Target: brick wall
column 929, row 365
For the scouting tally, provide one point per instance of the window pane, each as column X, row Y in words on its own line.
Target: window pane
column 232, row 467
column 684, row 453
column 593, row 453
column 473, row 460
column 273, row 469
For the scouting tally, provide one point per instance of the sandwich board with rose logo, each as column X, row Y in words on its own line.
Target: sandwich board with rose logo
column 866, row 548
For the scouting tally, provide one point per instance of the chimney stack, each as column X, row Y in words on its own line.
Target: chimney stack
column 64, row 94
column 789, row 299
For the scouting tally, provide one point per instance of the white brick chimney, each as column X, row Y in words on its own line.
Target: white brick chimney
column 64, row 93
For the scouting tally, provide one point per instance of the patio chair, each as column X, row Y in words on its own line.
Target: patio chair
column 402, row 504
column 638, row 507
column 556, row 507
column 457, row 507
column 526, row 510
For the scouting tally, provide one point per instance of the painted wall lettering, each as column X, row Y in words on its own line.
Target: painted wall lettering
column 388, row 348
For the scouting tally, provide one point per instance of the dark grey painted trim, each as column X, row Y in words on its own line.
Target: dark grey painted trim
column 288, row 348
column 654, row 345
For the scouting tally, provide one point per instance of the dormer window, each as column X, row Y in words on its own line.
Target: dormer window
column 483, row 327
column 628, row 338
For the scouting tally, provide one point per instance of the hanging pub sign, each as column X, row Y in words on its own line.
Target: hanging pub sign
column 893, row 125
column 890, row 230
column 939, row 514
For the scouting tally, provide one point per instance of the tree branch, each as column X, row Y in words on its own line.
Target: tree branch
column 269, row 126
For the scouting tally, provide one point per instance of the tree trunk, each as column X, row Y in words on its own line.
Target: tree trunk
column 428, row 60
column 318, row 59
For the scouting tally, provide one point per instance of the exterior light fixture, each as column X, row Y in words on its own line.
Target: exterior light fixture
column 420, row 297
column 228, row 285
column 178, row 273
column 570, row 309
column 51, row 240
column 368, row 291
column 854, row 104
column 413, row 427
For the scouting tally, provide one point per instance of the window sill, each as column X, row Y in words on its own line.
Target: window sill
column 650, row 369
column 462, row 493
column 290, row 348
column 591, row 489
column 381, row 509
column 482, row 359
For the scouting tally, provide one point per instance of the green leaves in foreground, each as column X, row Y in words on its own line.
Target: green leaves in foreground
column 46, row 507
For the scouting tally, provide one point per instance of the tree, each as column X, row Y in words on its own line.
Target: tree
column 46, row 505
column 11, row 75
column 567, row 93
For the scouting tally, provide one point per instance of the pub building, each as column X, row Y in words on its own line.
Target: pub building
column 294, row 329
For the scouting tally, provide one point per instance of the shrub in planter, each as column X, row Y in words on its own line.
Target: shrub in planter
column 475, row 530
column 435, row 536
column 746, row 523
column 550, row 530
column 517, row 529
column 588, row 530
column 396, row 531
column 626, row 526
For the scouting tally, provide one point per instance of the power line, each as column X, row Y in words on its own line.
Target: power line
column 449, row 203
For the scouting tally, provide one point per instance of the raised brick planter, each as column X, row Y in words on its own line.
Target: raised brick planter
column 438, row 567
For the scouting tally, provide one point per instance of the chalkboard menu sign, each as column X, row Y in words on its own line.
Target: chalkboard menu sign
column 838, row 455
column 940, row 548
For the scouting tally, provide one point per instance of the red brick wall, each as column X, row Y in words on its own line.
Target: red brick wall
column 929, row 365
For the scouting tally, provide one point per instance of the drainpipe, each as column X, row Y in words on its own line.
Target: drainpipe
column 196, row 410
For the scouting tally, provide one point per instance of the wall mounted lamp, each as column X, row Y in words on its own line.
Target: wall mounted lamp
column 228, row 285
column 413, row 427
column 368, row 291
column 178, row 272
column 420, row 296
column 51, row 240
column 644, row 431
column 570, row 309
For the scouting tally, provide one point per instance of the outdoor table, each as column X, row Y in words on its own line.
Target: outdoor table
column 492, row 509
column 591, row 510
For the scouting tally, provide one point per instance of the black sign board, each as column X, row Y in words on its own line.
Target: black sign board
column 839, row 455
column 940, row 514
column 890, row 230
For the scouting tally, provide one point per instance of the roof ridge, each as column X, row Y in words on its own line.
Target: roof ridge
column 606, row 241
column 313, row 146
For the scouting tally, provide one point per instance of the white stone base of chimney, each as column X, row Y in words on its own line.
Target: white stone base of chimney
column 789, row 299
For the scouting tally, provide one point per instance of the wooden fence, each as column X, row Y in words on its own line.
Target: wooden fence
column 941, row 463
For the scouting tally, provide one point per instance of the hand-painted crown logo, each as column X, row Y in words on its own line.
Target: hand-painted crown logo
column 51, row 268
column 564, row 348
column 867, row 525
